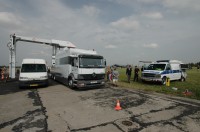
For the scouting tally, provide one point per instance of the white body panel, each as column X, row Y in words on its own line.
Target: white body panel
column 33, row 76
column 33, row 61
column 88, row 71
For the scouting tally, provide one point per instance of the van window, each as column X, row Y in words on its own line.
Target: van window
column 159, row 67
column 65, row 60
column 168, row 67
column 33, row 68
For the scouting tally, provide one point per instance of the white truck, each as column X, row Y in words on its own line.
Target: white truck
column 33, row 73
column 163, row 69
column 79, row 68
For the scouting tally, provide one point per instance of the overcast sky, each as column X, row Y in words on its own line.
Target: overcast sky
column 123, row 31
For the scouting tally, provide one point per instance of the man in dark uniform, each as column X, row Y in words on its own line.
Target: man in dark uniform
column 128, row 72
column 136, row 71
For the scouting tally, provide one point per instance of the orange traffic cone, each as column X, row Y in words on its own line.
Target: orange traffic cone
column 118, row 107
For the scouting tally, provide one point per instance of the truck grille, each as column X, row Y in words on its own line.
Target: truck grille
column 91, row 76
column 148, row 75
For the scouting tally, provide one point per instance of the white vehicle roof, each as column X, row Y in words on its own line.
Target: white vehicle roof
column 76, row 52
column 169, row 61
column 33, row 61
column 82, row 51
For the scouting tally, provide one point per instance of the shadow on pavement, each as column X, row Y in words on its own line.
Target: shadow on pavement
column 11, row 86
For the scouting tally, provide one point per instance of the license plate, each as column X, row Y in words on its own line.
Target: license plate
column 94, row 82
column 33, row 85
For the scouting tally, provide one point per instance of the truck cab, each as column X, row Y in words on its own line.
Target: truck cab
column 87, row 71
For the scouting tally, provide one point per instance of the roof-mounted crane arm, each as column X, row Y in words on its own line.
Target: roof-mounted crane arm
column 15, row 38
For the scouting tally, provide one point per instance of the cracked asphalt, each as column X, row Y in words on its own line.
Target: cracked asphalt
column 58, row 108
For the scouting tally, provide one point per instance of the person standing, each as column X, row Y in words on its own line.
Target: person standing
column 136, row 73
column 128, row 72
column 115, row 76
column 142, row 68
column 108, row 73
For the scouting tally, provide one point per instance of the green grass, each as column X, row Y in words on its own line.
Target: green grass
column 192, row 83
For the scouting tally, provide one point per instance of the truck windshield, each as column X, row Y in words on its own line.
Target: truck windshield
column 159, row 67
column 91, row 63
column 33, row 68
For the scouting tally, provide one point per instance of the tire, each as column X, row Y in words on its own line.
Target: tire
column 164, row 79
column 182, row 79
column 70, row 83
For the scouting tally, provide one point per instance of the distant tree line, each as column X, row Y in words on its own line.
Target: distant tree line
column 8, row 66
column 194, row 64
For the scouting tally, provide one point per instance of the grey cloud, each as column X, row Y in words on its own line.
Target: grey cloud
column 126, row 23
column 131, row 31
column 110, row 46
column 183, row 4
column 151, row 45
column 153, row 15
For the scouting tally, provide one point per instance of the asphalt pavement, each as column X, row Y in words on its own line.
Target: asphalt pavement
column 58, row 108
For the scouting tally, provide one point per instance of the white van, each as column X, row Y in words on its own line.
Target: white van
column 33, row 73
column 163, row 69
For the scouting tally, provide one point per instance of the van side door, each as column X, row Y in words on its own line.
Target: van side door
column 170, row 72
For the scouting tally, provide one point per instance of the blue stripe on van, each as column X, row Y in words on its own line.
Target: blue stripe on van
column 170, row 71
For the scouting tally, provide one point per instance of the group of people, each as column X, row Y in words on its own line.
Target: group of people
column 3, row 73
column 113, row 74
column 129, row 72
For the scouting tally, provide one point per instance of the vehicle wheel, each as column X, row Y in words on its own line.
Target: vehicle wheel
column 71, row 83
column 182, row 79
column 164, row 79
